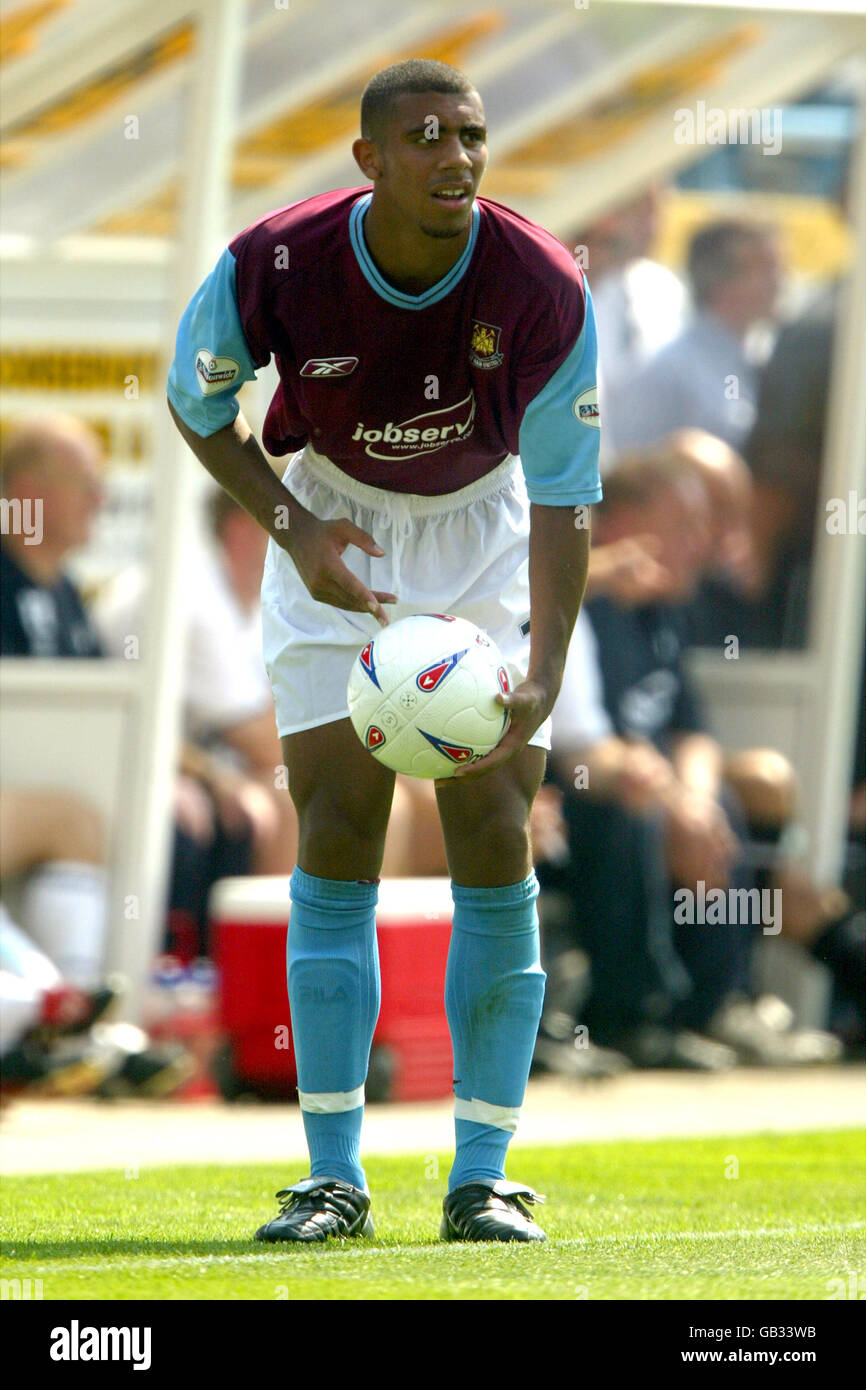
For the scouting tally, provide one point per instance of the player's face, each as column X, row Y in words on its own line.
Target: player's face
column 432, row 159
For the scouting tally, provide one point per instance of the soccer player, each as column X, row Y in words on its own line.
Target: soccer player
column 437, row 358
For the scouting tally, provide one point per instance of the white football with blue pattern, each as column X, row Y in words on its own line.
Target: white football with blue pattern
column 422, row 695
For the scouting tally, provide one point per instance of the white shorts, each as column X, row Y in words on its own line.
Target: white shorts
column 464, row 553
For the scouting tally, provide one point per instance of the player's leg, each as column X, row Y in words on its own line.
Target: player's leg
column 486, row 822
column 494, row 986
column 343, row 798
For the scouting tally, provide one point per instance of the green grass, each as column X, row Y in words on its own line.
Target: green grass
column 625, row 1220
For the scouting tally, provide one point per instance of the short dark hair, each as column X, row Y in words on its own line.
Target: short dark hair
column 714, row 252
column 413, row 75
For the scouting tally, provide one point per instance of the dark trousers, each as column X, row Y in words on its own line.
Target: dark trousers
column 644, row 967
column 195, row 869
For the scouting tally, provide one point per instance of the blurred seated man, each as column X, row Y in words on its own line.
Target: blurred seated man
column 707, row 377
column 785, row 450
column 38, row 1008
column 54, row 842
column 647, row 808
column 51, row 494
column 823, row 920
column 728, row 484
column 732, row 583
column 232, row 809
column 230, row 742
column 640, row 305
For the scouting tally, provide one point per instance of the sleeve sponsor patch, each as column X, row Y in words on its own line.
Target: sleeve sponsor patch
column 214, row 373
column 586, row 408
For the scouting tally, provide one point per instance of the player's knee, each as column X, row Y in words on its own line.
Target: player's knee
column 500, row 839
column 342, row 827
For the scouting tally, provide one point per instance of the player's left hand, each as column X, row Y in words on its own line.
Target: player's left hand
column 530, row 703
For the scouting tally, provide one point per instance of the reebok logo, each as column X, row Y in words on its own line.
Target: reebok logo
column 329, row 366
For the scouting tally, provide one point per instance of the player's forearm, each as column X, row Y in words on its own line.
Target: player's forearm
column 558, row 563
column 234, row 459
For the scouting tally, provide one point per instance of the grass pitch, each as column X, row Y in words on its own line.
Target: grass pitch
column 751, row 1217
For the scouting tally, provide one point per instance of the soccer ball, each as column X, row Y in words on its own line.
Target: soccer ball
column 422, row 695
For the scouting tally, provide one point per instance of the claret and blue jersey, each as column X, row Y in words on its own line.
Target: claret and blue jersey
column 411, row 393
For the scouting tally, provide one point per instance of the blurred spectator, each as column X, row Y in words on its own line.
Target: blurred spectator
column 232, row 805
column 728, row 484
column 37, row 1008
column 785, row 451
column 648, row 811
column 707, row 378
column 52, row 492
column 58, row 841
column 640, row 305
column 53, row 988
column 732, row 577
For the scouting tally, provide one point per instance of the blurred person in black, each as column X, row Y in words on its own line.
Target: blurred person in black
column 649, row 806
column 52, row 492
column 784, row 452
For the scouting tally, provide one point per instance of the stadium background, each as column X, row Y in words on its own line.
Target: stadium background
column 137, row 137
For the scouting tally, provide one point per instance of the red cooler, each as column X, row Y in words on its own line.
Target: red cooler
column 411, row 1057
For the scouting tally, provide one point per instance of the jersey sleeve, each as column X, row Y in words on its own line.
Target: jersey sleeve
column 212, row 356
column 559, row 431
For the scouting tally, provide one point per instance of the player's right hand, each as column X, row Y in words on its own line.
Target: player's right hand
column 317, row 548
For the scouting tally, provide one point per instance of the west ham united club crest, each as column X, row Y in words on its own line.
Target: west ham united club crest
column 484, row 348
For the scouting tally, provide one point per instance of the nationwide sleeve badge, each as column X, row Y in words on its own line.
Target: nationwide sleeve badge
column 484, row 348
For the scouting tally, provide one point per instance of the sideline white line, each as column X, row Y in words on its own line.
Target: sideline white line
column 360, row 1251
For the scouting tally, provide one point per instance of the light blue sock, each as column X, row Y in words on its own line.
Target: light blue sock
column 334, row 997
column 494, row 990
